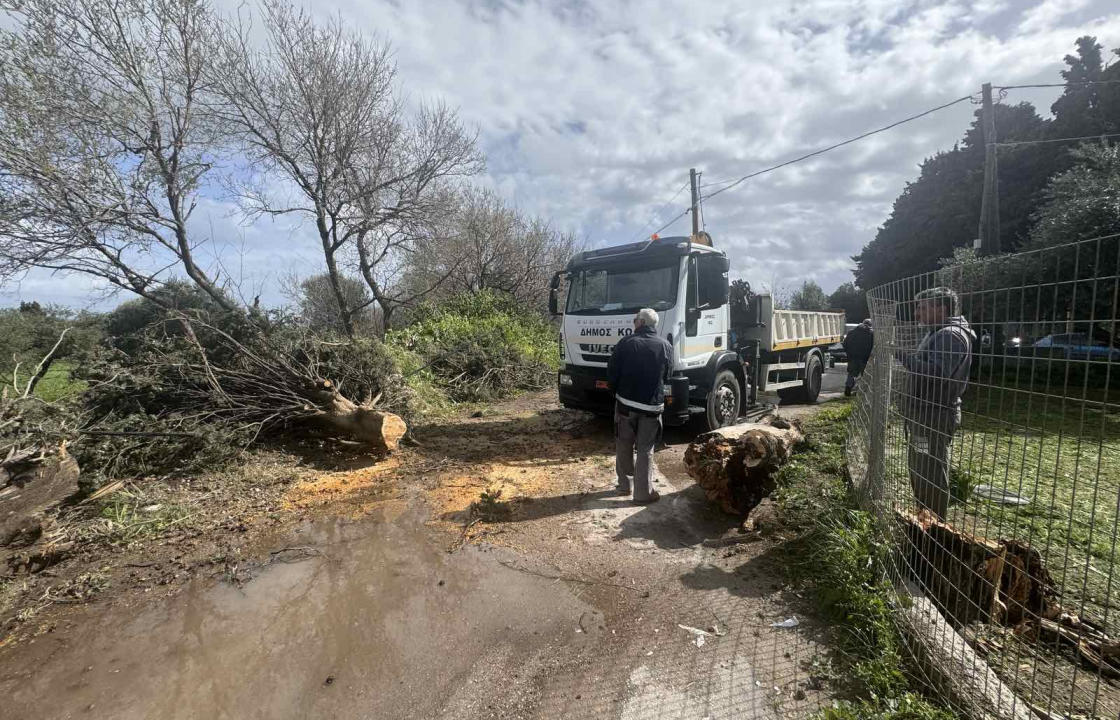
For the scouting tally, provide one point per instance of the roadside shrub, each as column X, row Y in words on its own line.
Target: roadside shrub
column 180, row 397
column 479, row 346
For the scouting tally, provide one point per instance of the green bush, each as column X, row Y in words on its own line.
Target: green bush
column 234, row 378
column 478, row 346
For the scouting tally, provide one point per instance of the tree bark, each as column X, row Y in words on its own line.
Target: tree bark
column 735, row 465
column 974, row 578
column 380, row 429
column 31, row 482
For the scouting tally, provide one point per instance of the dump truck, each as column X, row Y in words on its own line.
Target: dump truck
column 728, row 348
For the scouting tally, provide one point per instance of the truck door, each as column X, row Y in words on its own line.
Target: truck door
column 706, row 309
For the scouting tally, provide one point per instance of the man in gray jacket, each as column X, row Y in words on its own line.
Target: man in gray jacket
column 931, row 404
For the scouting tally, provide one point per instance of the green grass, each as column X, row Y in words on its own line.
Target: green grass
column 56, row 385
column 839, row 556
column 127, row 518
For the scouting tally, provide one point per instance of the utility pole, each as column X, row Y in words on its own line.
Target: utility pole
column 695, row 203
column 987, row 237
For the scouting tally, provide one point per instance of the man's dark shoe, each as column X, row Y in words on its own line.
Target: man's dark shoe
column 847, row 392
column 654, row 496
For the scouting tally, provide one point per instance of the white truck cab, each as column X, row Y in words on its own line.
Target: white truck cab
column 718, row 369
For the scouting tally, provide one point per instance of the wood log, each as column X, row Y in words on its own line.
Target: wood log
column 952, row 666
column 31, row 486
column 735, row 465
column 380, row 429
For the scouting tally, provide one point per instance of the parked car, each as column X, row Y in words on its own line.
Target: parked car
column 1076, row 346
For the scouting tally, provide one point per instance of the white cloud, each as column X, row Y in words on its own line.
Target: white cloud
column 592, row 113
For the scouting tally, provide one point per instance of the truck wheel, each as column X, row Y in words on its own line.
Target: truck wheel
column 814, row 376
column 724, row 400
column 810, row 386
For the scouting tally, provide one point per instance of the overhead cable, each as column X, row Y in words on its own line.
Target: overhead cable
column 841, row 144
column 1054, row 140
column 1056, row 85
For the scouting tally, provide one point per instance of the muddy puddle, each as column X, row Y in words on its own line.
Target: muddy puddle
column 355, row 619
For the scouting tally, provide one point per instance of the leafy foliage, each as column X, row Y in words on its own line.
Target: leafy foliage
column 29, row 332
column 851, row 300
column 481, row 345
column 1082, row 202
column 319, row 309
column 809, row 296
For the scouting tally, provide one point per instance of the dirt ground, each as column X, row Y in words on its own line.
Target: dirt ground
column 347, row 587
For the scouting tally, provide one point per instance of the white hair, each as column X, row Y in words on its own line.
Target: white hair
column 647, row 317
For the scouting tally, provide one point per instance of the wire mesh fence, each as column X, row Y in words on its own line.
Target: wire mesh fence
column 986, row 442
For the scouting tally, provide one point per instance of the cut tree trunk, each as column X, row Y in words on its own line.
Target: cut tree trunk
column 974, row 578
column 735, row 465
column 30, row 484
column 952, row 666
column 1001, row 582
column 379, row 429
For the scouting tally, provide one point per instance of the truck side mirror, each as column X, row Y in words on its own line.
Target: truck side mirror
column 553, row 295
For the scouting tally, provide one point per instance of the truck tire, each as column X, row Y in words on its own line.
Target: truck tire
column 724, row 401
column 810, row 387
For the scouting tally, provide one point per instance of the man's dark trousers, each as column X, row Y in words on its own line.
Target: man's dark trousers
column 928, row 461
column 635, row 433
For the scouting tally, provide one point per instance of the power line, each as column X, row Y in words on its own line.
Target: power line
column 675, row 218
column 1054, row 140
column 731, row 183
column 1056, row 85
column 726, row 181
column 660, row 210
column 840, row 144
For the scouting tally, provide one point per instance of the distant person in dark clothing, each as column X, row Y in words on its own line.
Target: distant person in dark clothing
column 858, row 344
column 638, row 370
column 931, row 404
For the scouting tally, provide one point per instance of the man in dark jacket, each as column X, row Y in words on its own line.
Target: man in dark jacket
column 858, row 344
column 937, row 376
column 638, row 370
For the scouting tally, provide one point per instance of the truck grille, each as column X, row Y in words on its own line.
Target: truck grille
column 587, row 357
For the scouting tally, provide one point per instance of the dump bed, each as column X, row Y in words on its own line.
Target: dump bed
column 789, row 329
column 804, row 328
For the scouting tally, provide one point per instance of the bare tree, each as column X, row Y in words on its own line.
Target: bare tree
column 314, row 297
column 487, row 245
column 103, row 142
column 316, row 108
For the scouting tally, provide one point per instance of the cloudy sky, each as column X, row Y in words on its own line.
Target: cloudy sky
column 591, row 114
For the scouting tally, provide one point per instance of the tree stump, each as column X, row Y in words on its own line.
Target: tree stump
column 735, row 465
column 974, row 578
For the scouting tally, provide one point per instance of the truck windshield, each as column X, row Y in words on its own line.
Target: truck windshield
column 616, row 290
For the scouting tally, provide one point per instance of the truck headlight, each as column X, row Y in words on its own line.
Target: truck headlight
column 565, row 380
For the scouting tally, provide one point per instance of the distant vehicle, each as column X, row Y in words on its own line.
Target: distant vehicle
column 836, row 352
column 718, row 369
column 1076, row 346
